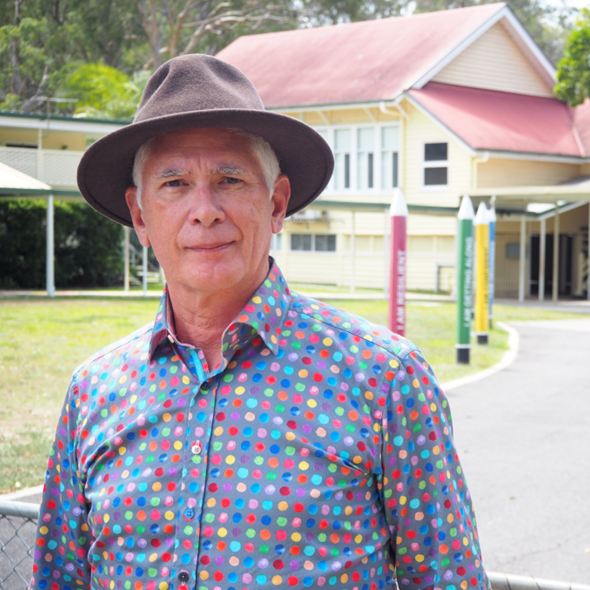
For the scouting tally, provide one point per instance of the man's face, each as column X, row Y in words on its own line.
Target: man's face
column 206, row 211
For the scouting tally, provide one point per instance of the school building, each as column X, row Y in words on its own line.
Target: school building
column 440, row 104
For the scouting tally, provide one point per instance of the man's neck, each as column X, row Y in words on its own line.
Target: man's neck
column 200, row 319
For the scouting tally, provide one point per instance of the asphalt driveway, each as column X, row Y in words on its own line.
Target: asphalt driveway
column 523, row 435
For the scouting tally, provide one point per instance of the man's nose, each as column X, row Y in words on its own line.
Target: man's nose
column 206, row 207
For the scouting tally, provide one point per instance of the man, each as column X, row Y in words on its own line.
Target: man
column 249, row 438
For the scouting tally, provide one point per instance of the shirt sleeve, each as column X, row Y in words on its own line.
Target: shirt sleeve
column 60, row 557
column 428, row 507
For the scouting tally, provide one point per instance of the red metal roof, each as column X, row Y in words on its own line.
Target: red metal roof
column 491, row 120
column 582, row 122
column 356, row 62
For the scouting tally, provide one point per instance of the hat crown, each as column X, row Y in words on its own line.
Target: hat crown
column 193, row 83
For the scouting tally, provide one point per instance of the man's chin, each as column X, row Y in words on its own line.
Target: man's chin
column 212, row 277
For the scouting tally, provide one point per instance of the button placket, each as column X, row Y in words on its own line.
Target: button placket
column 194, row 480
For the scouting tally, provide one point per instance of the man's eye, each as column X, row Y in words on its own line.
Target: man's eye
column 230, row 180
column 173, row 183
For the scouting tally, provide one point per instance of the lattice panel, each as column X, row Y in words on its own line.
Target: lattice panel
column 21, row 159
column 59, row 167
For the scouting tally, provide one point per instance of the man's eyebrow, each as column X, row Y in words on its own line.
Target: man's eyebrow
column 172, row 172
column 229, row 171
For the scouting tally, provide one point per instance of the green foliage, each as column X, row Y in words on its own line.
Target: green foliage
column 573, row 71
column 39, row 40
column 87, row 246
column 102, row 91
column 329, row 12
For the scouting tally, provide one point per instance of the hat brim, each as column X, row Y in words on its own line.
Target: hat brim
column 105, row 170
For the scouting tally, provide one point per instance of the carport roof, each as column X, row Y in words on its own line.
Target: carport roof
column 14, row 180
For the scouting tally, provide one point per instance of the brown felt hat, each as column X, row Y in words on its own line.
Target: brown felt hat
column 201, row 91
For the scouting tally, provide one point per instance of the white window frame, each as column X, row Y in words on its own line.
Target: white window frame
column 377, row 151
column 313, row 250
column 390, row 152
column 434, row 164
column 276, row 242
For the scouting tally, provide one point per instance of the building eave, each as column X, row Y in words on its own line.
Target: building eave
column 59, row 123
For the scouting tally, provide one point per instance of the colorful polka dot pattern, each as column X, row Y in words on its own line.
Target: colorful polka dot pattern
column 319, row 454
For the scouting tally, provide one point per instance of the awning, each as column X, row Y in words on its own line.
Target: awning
column 577, row 189
column 14, row 182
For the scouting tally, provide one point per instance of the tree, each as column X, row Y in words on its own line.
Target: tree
column 316, row 13
column 102, row 91
column 39, row 39
column 573, row 71
column 179, row 27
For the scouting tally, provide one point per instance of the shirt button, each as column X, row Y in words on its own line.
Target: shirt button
column 205, row 386
column 189, row 514
column 196, row 448
column 183, row 576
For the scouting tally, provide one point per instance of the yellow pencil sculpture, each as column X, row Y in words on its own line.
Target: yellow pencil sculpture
column 482, row 286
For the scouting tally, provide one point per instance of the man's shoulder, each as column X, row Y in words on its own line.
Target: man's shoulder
column 348, row 324
column 140, row 338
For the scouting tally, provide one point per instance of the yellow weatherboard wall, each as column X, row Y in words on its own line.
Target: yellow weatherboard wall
column 495, row 62
column 420, row 130
column 503, row 172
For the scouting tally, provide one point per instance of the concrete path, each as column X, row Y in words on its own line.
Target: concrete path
column 523, row 435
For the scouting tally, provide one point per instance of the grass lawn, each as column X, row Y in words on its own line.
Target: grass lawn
column 43, row 341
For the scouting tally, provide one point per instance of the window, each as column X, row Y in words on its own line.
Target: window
column 435, row 164
column 365, row 145
column 313, row 243
column 14, row 144
column 342, row 147
column 276, row 242
column 389, row 157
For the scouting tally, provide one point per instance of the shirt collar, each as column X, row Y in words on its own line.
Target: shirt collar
column 264, row 314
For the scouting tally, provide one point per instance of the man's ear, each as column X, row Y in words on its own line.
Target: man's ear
column 137, row 216
column 280, row 201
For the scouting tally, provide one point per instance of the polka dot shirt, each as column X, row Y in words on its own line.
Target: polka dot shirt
column 318, row 454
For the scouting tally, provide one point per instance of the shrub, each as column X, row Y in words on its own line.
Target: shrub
column 87, row 246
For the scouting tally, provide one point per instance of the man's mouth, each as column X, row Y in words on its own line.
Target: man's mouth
column 210, row 248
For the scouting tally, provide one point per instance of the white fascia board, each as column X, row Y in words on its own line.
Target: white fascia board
column 526, row 43
column 535, row 157
column 75, row 126
column 536, row 194
column 440, row 124
column 333, row 107
column 447, row 59
column 562, row 209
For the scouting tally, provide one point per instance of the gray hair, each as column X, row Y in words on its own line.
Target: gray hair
column 259, row 146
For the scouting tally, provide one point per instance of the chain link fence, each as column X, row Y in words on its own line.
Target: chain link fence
column 18, row 522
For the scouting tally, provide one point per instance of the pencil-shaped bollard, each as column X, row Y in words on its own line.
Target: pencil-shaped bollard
column 482, row 285
column 464, row 279
column 398, row 213
column 492, row 257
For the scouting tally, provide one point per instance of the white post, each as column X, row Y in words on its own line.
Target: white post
column 144, row 267
column 49, row 268
column 352, row 253
column 556, row 254
column 126, row 234
column 386, row 253
column 542, row 257
column 522, row 260
column 39, row 156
